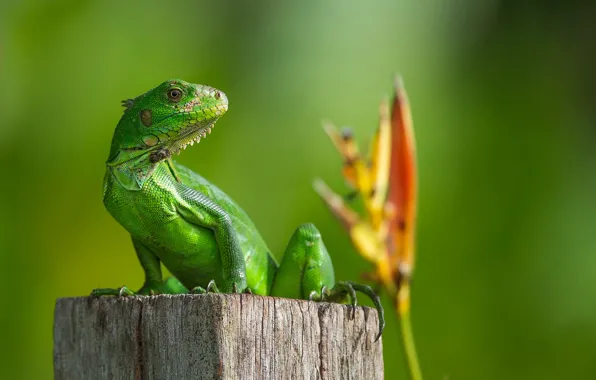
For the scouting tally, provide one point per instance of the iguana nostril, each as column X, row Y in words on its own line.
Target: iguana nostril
column 221, row 97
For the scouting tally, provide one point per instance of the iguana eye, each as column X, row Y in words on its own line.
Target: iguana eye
column 174, row 94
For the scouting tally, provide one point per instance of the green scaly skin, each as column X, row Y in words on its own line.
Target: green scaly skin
column 178, row 218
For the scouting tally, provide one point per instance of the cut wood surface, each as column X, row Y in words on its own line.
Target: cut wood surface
column 213, row 336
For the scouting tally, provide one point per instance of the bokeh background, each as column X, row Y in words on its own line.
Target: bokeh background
column 503, row 100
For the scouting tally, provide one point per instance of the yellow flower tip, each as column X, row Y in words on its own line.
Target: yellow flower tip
column 384, row 110
column 330, row 129
column 321, row 187
column 336, row 204
column 342, row 140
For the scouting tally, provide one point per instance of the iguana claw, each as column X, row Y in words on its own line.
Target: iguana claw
column 211, row 288
column 120, row 292
column 343, row 288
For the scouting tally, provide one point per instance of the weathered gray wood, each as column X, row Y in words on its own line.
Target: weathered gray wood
column 213, row 336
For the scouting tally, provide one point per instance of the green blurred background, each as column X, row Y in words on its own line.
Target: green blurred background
column 503, row 103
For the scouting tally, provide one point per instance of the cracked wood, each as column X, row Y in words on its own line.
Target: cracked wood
column 214, row 336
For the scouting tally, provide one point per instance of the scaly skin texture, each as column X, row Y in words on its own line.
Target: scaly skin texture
column 178, row 218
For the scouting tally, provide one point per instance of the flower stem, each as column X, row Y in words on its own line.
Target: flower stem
column 403, row 310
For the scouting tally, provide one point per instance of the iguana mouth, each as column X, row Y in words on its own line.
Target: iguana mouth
column 190, row 138
column 192, row 135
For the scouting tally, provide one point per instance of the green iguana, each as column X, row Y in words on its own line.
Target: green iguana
column 178, row 218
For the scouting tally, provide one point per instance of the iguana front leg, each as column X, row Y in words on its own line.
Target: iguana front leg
column 198, row 209
column 153, row 277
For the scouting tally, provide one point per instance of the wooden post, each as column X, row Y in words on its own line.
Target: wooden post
column 213, row 336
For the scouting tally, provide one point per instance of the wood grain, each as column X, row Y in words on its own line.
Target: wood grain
column 213, row 336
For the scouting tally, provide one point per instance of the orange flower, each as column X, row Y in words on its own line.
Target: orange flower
column 387, row 183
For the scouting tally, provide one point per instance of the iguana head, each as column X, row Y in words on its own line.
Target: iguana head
column 164, row 121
